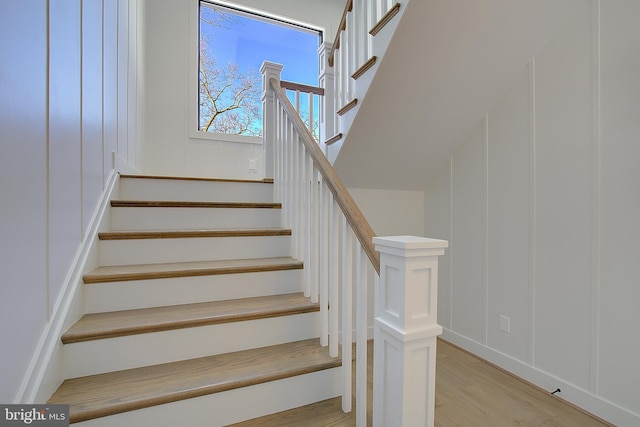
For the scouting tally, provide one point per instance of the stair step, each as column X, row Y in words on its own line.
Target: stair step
column 130, row 322
column 128, row 295
column 192, row 204
column 121, row 273
column 144, row 187
column 182, row 234
column 196, row 179
column 136, row 215
column 155, row 247
column 116, row 392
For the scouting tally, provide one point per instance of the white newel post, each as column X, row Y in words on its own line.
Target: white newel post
column 327, row 102
column 405, row 331
column 269, row 70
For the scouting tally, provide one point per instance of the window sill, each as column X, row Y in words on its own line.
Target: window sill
column 210, row 136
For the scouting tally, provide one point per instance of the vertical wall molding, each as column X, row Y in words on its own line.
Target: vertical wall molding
column 485, row 234
column 48, row 164
column 451, row 247
column 81, row 151
column 104, row 172
column 595, row 219
column 532, row 210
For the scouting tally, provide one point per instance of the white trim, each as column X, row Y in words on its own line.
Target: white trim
column 225, row 137
column 532, row 211
column 596, row 198
column 571, row 393
column 485, row 220
column 254, row 13
column 43, row 376
column 192, row 57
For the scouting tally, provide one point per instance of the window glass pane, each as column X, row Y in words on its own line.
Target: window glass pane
column 233, row 45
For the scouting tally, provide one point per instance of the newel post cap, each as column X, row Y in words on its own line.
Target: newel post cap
column 408, row 245
column 270, row 66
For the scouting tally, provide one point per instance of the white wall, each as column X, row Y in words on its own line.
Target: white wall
column 170, row 89
column 540, row 204
column 66, row 76
column 392, row 212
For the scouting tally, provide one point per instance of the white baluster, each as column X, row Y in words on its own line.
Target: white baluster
column 276, row 153
column 308, row 236
column 351, row 52
column 343, row 90
column 361, row 33
column 326, row 79
column 315, row 237
column 361, row 335
column 334, row 277
column 347, row 313
column 290, row 197
column 324, row 264
column 310, row 109
column 285, row 169
column 300, row 202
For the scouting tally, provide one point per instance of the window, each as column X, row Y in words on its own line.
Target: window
column 232, row 46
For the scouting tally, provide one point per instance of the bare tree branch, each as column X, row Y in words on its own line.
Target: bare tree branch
column 229, row 99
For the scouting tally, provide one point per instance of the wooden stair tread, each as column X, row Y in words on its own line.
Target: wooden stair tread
column 115, row 392
column 119, row 273
column 195, row 178
column 138, row 321
column 385, row 19
column 174, row 234
column 348, row 106
column 334, row 139
column 192, row 204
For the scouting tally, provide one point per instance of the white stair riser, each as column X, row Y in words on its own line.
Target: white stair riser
column 153, row 251
column 133, row 351
column 232, row 406
column 117, row 296
column 135, row 218
column 189, row 190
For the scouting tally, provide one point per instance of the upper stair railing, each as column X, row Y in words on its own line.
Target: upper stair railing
column 344, row 64
column 339, row 248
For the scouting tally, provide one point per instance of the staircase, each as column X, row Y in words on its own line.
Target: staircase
column 196, row 314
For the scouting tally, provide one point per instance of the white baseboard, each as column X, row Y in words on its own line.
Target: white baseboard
column 46, row 370
column 584, row 399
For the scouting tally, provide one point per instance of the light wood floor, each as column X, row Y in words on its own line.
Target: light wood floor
column 469, row 393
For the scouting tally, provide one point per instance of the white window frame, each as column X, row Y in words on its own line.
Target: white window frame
column 193, row 58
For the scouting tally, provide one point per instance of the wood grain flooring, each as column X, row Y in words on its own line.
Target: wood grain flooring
column 469, row 393
column 115, row 392
column 119, row 273
column 130, row 322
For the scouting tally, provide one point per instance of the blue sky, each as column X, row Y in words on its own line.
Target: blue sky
column 247, row 42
